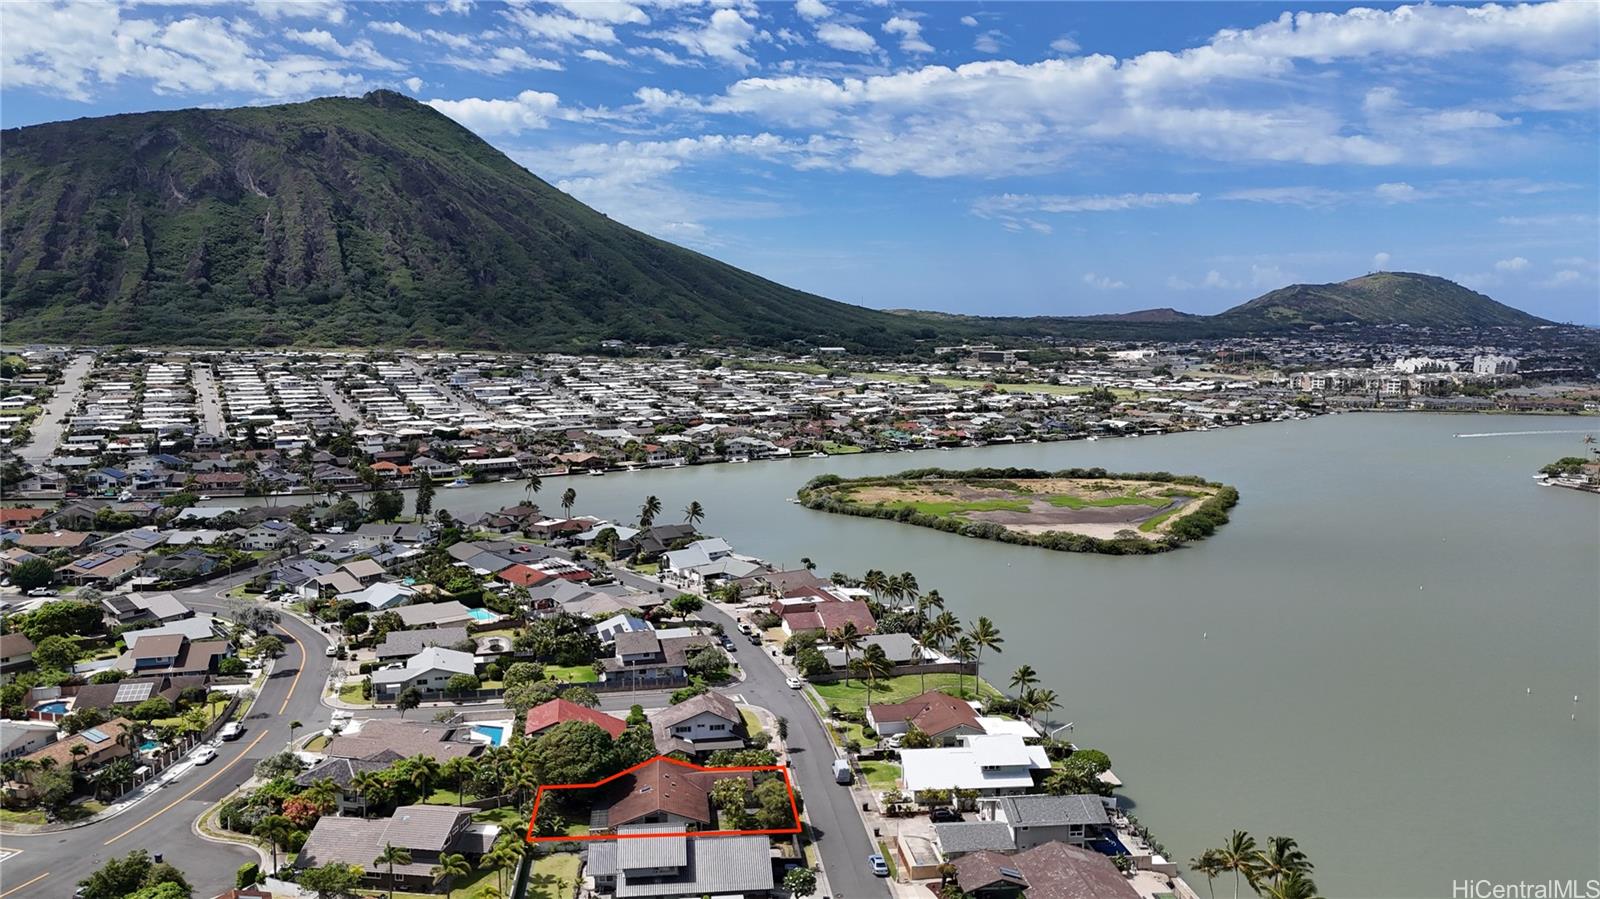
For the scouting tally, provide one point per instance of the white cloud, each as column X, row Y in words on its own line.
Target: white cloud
column 602, row 56
column 413, row 84
column 812, row 9
column 613, row 12
column 988, row 42
column 561, row 29
column 359, row 51
column 1397, row 192
column 969, row 21
column 1565, row 88
column 1102, row 282
column 331, row 11
column 910, row 31
column 1380, row 262
column 1057, row 203
column 846, row 37
column 1547, row 221
column 501, row 60
column 448, row 39
column 724, row 38
column 1514, row 264
column 1565, row 278
column 527, row 111
column 1065, row 44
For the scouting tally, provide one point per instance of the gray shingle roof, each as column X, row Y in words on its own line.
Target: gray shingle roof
column 667, row 849
column 971, row 836
column 405, row 644
column 1048, row 811
column 715, row 865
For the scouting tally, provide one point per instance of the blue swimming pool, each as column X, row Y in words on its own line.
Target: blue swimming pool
column 148, row 745
column 481, row 614
column 59, row 707
column 495, row 733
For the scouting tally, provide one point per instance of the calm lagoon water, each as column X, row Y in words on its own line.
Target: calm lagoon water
column 1348, row 661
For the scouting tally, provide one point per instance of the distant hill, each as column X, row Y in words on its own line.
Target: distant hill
column 353, row 222
column 1382, row 298
column 1164, row 314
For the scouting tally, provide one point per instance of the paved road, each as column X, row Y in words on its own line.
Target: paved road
column 47, row 428
column 50, row 865
column 209, row 398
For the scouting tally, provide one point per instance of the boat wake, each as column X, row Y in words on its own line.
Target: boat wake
column 1522, row 433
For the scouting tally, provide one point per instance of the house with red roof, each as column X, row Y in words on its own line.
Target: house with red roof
column 559, row 711
column 816, row 610
column 520, row 575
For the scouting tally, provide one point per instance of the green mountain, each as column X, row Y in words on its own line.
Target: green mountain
column 1382, row 298
column 352, row 222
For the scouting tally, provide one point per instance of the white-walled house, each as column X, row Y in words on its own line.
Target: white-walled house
column 428, row 671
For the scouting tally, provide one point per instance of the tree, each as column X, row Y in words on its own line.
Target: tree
column 369, row 785
column 118, row 878
column 1040, row 702
column 1023, row 678
column 1208, row 863
column 450, row 865
column 916, row 738
column 269, row 646
column 461, row 684
column 332, row 881
column 523, row 697
column 164, row 890
column 390, row 856
column 386, row 505
column 533, row 485
column 32, row 574
column 649, row 510
column 684, row 604
column 1292, row 886
column 963, row 649
column 503, row 856
column 53, row 787
column 569, row 498
column 875, row 665
column 1238, row 855
column 1280, row 860
column 424, row 498
column 800, row 882
column 730, row 796
column 847, row 638
column 573, row 752
column 984, row 636
column 56, row 652
column 408, row 699
column 694, row 513
column 162, row 874
column 522, row 673
column 277, row 831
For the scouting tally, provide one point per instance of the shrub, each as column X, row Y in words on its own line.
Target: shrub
column 249, row 875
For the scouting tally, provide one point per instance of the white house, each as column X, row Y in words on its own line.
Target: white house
column 993, row 765
column 608, row 629
column 428, row 671
column 380, row 595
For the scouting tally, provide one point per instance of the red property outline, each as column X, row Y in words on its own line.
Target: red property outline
column 539, row 795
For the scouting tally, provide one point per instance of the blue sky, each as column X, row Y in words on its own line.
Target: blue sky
column 994, row 158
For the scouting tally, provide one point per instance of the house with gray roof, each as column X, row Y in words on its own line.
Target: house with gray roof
column 425, row 831
column 428, row 671
column 434, row 614
column 405, row 644
column 669, row 864
column 1023, row 822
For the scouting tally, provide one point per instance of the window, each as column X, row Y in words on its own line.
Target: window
column 718, row 727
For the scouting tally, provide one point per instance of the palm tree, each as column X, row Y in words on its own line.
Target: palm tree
column 276, row 830
column 421, row 772
column 459, row 769
column 984, row 636
column 694, row 513
column 875, row 664
column 1208, row 863
column 847, row 638
column 649, row 511
column 875, row 581
column 504, row 855
column 1239, row 856
column 569, row 498
column 963, row 649
column 941, row 630
column 450, row 865
column 368, row 784
column 532, row 487
column 293, row 726
column 1035, row 702
column 1279, row 860
column 392, row 855
column 324, row 792
column 909, row 588
column 1292, row 886
column 1023, row 678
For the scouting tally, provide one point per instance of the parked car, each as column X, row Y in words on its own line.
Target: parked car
column 42, row 591
column 332, row 650
column 794, row 683
column 842, row 773
column 233, row 730
column 204, row 755
column 945, row 816
column 892, row 741
column 878, row 865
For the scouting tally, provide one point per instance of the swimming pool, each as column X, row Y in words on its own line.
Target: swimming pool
column 481, row 614
column 58, row 707
column 148, row 745
column 495, row 732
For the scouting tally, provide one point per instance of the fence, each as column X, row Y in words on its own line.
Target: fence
column 898, row 670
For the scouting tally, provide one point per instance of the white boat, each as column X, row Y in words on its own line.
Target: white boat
column 818, row 455
column 506, row 480
column 597, row 472
column 458, row 482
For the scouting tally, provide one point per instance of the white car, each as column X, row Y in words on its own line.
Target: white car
column 795, row 683
column 204, row 754
column 342, row 716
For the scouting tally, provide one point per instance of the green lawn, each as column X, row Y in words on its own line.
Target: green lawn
column 473, row 886
column 839, row 449
column 507, row 816
column 553, row 876
column 447, row 796
column 317, row 743
column 851, row 695
column 1078, row 502
column 574, row 674
column 31, row 816
column 751, row 722
column 1155, row 521
column 881, row 775
column 888, row 857
column 351, row 693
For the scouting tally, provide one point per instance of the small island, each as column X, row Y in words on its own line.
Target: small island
column 1073, row 510
column 1575, row 472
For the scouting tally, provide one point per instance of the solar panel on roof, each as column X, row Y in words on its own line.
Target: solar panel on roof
column 132, row 693
column 95, row 735
column 91, row 561
column 1012, row 873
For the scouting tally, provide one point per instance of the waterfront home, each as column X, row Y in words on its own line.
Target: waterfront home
column 900, row 649
column 943, row 717
column 1048, row 871
column 541, row 718
column 993, row 765
column 654, row 540
column 821, row 613
column 425, row 831
column 16, row 652
column 672, row 865
column 1023, row 822
column 700, row 724
column 405, row 644
column 428, row 671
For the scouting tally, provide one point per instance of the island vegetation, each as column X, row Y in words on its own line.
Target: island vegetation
column 1074, row 510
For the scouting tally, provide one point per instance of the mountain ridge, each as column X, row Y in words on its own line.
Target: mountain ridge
column 380, row 221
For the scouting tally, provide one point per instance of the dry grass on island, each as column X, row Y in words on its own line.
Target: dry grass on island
column 1077, row 510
